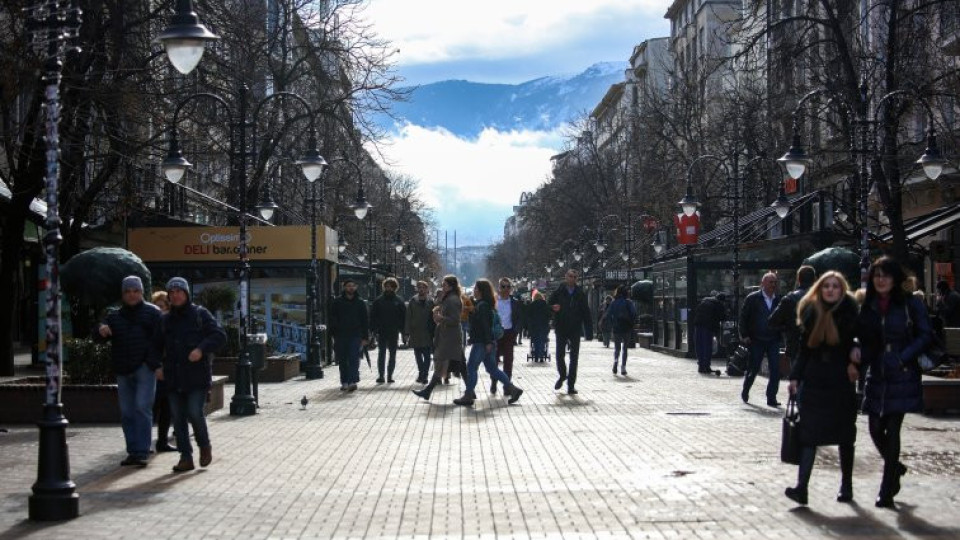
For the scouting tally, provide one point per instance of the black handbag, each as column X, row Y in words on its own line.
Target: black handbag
column 790, row 440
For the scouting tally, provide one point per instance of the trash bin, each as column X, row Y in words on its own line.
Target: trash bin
column 257, row 349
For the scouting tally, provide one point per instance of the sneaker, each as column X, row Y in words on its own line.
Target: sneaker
column 352, row 388
column 343, row 387
column 380, row 380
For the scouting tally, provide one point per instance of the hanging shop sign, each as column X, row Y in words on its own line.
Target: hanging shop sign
column 204, row 244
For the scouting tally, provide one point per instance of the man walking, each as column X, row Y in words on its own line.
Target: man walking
column 510, row 311
column 784, row 317
column 419, row 329
column 710, row 313
column 133, row 331
column 191, row 336
column 760, row 338
column 387, row 320
column 571, row 316
column 348, row 326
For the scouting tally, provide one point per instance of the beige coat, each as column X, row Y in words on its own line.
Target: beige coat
column 448, row 341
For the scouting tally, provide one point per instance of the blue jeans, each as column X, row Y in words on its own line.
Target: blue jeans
column 422, row 354
column 188, row 407
column 757, row 351
column 136, row 392
column 348, row 352
column 479, row 355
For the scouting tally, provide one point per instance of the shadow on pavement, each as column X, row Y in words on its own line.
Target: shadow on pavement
column 909, row 522
column 862, row 525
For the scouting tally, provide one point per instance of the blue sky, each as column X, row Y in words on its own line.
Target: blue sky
column 473, row 184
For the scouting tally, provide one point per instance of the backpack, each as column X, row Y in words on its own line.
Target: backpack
column 497, row 326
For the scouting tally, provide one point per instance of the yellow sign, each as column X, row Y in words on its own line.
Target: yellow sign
column 199, row 244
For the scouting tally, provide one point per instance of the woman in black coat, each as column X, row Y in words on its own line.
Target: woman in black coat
column 893, row 330
column 824, row 380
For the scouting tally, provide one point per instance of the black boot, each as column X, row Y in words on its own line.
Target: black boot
column 846, row 474
column 426, row 390
column 513, row 392
column 466, row 400
column 799, row 494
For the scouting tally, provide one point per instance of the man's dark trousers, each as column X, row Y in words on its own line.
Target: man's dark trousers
column 574, row 343
column 757, row 351
column 387, row 342
column 703, row 342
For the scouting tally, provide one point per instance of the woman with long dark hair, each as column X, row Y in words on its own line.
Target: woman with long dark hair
column 483, row 346
column 893, row 330
column 447, row 343
column 824, row 380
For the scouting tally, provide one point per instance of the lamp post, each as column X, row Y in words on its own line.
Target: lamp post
column 54, row 495
column 174, row 166
column 313, row 165
column 689, row 205
column 863, row 149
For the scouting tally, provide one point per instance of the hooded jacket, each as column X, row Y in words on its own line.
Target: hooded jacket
column 184, row 329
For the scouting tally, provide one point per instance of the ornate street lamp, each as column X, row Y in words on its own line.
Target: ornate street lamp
column 313, row 165
column 184, row 39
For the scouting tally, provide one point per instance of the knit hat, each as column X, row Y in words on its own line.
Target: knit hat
column 178, row 283
column 131, row 282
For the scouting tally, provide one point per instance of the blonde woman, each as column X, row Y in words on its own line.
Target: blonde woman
column 824, row 380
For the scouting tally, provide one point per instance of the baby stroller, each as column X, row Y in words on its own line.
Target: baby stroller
column 539, row 356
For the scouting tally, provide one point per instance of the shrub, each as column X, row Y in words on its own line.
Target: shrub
column 88, row 362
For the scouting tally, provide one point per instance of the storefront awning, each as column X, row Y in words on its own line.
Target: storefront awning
column 753, row 227
column 928, row 224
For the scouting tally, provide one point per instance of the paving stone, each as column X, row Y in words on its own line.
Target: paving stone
column 662, row 453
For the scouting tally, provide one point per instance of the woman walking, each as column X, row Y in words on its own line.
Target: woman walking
column 483, row 346
column 893, row 330
column 824, row 379
column 619, row 319
column 447, row 343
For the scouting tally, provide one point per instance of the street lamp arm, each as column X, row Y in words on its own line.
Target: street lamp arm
column 706, row 157
column 295, row 96
column 204, row 95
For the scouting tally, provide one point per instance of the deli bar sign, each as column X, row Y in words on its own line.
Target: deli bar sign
column 198, row 244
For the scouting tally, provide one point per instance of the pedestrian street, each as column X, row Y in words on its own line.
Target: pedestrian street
column 661, row 453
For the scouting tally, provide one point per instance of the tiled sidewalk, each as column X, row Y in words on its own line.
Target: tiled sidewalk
column 662, row 453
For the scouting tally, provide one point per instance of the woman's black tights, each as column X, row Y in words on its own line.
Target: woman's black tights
column 809, row 453
column 885, row 432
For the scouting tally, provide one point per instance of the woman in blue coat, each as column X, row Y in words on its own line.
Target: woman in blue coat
column 893, row 330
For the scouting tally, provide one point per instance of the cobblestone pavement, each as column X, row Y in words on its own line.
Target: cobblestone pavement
column 661, row 453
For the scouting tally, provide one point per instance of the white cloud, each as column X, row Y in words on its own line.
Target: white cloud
column 472, row 184
column 433, row 31
column 496, row 167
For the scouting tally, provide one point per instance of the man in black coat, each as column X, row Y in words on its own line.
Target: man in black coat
column 387, row 320
column 571, row 318
column 134, row 331
column 948, row 305
column 191, row 336
column 710, row 313
column 784, row 317
column 760, row 338
column 348, row 326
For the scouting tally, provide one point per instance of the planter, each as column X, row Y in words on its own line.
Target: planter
column 276, row 369
column 21, row 401
column 940, row 395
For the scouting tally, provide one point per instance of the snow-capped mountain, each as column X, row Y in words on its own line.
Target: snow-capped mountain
column 465, row 108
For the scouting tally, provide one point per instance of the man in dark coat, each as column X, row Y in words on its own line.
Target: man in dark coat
column 387, row 318
column 191, row 336
column 784, row 317
column 710, row 313
column 948, row 305
column 571, row 318
column 760, row 339
column 134, row 349
column 348, row 326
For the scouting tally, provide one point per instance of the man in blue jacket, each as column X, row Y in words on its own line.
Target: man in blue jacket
column 132, row 331
column 191, row 336
column 760, row 338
